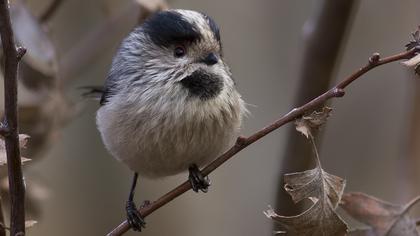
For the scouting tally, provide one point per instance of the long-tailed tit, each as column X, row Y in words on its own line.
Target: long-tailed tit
column 169, row 103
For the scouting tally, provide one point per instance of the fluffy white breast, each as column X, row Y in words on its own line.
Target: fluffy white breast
column 161, row 134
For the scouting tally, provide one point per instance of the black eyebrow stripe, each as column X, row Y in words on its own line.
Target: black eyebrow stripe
column 169, row 27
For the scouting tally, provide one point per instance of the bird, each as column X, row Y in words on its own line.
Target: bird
column 169, row 103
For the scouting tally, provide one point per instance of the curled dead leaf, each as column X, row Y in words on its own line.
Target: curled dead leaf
column 23, row 140
column 314, row 183
column 307, row 124
column 384, row 218
column 319, row 220
column 325, row 191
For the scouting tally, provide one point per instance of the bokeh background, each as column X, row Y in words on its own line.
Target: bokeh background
column 76, row 188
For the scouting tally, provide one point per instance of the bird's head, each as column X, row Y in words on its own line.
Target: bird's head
column 177, row 49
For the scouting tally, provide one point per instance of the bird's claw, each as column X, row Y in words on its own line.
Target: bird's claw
column 197, row 180
column 134, row 218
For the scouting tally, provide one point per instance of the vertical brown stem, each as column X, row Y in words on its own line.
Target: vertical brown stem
column 324, row 36
column 12, row 56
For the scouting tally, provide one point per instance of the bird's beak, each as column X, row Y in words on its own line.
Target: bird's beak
column 210, row 59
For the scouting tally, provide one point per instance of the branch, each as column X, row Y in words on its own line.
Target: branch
column 12, row 56
column 243, row 142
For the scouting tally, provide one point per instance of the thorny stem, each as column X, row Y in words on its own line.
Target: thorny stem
column 243, row 142
column 12, row 56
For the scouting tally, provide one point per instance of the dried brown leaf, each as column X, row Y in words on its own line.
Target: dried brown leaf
column 314, row 183
column 325, row 190
column 307, row 124
column 319, row 220
column 385, row 219
column 23, row 140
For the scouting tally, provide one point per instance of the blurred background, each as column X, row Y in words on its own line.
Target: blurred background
column 281, row 53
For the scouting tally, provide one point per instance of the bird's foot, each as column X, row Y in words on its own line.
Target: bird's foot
column 197, row 180
column 134, row 218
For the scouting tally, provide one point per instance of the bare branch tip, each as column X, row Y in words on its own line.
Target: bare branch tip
column 241, row 140
column 20, row 52
column 338, row 92
column 374, row 58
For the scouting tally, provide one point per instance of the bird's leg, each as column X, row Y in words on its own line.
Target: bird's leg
column 197, row 180
column 134, row 218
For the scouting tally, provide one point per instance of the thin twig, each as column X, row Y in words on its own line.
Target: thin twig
column 12, row 56
column 51, row 9
column 243, row 142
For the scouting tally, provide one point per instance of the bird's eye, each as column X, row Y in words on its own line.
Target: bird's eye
column 179, row 51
